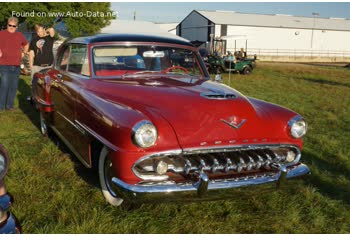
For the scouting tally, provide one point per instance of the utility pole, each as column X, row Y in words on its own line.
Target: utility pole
column 314, row 14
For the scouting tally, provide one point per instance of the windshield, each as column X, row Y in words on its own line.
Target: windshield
column 133, row 61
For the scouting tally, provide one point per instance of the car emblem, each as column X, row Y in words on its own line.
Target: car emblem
column 233, row 122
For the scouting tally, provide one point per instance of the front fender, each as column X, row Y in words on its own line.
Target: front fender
column 114, row 122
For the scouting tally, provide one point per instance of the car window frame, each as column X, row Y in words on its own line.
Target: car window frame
column 203, row 70
column 86, row 57
column 60, row 58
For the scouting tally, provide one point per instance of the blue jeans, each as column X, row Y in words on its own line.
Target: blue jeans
column 8, row 86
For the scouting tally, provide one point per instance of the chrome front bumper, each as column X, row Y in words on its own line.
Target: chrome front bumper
column 204, row 188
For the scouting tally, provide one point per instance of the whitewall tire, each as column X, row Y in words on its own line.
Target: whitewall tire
column 105, row 176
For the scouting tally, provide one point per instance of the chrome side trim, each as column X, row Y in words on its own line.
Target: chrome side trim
column 42, row 102
column 81, row 159
column 97, row 136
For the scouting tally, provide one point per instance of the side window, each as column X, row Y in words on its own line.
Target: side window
column 78, row 60
column 62, row 60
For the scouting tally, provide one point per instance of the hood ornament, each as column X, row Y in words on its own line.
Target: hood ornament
column 234, row 122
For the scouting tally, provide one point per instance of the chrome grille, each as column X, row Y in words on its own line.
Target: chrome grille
column 219, row 163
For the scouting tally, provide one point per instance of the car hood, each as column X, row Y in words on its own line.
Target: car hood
column 204, row 114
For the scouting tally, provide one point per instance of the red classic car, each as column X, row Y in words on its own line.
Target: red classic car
column 8, row 221
column 143, row 110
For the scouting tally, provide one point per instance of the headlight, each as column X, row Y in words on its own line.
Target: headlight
column 4, row 162
column 297, row 127
column 144, row 134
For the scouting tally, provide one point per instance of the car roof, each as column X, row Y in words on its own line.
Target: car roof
column 132, row 38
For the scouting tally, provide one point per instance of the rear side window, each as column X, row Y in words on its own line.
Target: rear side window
column 62, row 60
column 78, row 60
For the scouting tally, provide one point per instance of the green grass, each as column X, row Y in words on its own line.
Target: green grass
column 55, row 194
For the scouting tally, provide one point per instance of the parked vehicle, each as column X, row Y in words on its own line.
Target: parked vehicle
column 8, row 221
column 143, row 110
column 230, row 63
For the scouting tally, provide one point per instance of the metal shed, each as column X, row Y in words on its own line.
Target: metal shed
column 275, row 35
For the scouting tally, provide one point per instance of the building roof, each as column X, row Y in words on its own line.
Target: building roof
column 138, row 27
column 276, row 20
column 167, row 26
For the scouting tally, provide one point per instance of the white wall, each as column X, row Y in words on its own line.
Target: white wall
column 217, row 30
column 272, row 41
column 169, row 27
column 282, row 38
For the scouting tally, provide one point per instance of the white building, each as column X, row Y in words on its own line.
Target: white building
column 281, row 35
column 169, row 27
column 140, row 27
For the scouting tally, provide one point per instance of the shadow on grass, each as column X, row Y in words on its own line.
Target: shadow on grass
column 323, row 81
column 331, row 189
column 27, row 108
column 88, row 175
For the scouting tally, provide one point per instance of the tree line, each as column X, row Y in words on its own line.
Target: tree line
column 79, row 18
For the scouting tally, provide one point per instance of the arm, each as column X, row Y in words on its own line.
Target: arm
column 51, row 32
column 31, row 58
column 26, row 48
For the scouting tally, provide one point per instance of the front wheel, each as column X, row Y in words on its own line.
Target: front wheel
column 43, row 125
column 105, row 173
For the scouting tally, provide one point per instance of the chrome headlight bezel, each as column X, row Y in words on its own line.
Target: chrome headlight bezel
column 4, row 162
column 138, row 131
column 297, row 127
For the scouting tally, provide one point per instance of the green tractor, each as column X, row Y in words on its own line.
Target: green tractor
column 217, row 62
column 229, row 63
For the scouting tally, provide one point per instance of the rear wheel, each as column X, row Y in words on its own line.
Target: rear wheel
column 105, row 172
column 247, row 70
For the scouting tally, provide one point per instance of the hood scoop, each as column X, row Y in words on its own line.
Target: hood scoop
column 218, row 95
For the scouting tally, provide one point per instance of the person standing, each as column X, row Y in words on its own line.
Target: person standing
column 40, row 50
column 12, row 45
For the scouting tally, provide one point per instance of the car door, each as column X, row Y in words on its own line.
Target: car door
column 65, row 87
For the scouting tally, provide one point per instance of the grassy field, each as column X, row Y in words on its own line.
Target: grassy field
column 55, row 194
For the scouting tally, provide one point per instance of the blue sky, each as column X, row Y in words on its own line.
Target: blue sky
column 177, row 11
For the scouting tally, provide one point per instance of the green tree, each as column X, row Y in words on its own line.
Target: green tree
column 80, row 18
